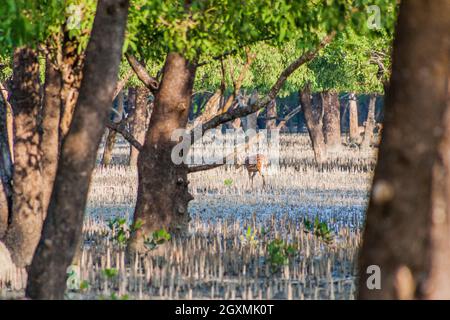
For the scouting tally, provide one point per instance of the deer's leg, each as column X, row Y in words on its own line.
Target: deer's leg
column 264, row 181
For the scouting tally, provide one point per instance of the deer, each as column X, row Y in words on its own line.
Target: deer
column 256, row 164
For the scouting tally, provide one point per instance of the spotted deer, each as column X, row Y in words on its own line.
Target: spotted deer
column 256, row 164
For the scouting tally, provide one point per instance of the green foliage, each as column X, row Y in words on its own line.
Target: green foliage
column 279, row 253
column 320, row 229
column 157, row 238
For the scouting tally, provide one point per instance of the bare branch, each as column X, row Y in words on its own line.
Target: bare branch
column 150, row 82
column 238, row 83
column 120, row 128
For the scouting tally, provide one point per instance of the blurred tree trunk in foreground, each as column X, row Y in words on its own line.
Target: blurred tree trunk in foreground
column 407, row 232
column 63, row 225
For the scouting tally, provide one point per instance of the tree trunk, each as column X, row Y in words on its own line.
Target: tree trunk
column 163, row 186
column 331, row 119
column 139, row 122
column 314, row 126
column 272, row 113
column 71, row 71
column 353, row 119
column 370, row 123
column 6, row 172
column 24, row 230
column 111, row 138
column 407, row 232
column 63, row 226
column 51, row 114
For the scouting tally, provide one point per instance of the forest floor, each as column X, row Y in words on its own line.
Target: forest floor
column 296, row 239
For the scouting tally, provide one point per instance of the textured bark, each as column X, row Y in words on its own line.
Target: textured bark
column 314, row 125
column 370, row 123
column 51, row 114
column 63, row 226
column 407, row 232
column 331, row 119
column 353, row 119
column 111, row 138
column 271, row 115
column 24, row 230
column 162, row 190
column 139, row 122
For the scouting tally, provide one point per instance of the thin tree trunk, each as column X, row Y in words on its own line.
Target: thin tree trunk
column 353, row 120
column 139, row 122
column 160, row 179
column 272, row 113
column 331, row 119
column 407, row 232
column 24, row 231
column 9, row 119
column 111, row 138
column 63, row 226
column 6, row 171
column 51, row 114
column 314, row 126
column 370, row 123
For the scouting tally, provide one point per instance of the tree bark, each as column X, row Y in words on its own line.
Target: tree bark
column 111, row 138
column 314, row 126
column 51, row 114
column 9, row 119
column 139, row 122
column 71, row 68
column 331, row 119
column 407, row 232
column 63, row 226
column 24, row 230
column 370, row 123
column 163, row 186
column 6, row 171
column 353, row 120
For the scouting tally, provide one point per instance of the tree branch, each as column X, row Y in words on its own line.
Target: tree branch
column 237, row 149
column 122, row 83
column 150, row 82
column 289, row 116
